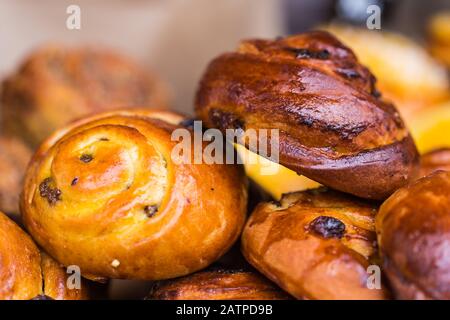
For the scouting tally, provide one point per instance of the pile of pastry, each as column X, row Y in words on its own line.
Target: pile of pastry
column 104, row 196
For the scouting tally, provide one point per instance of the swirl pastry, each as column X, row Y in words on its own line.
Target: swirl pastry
column 105, row 194
column 218, row 285
column 14, row 156
column 315, row 244
column 413, row 228
column 26, row 274
column 57, row 84
column 333, row 126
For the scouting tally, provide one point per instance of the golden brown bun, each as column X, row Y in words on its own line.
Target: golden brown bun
column 333, row 127
column 25, row 273
column 435, row 160
column 315, row 244
column 105, row 194
column 413, row 228
column 14, row 157
column 55, row 85
column 218, row 285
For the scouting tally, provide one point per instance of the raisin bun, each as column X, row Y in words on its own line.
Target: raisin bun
column 26, row 273
column 107, row 194
column 333, row 126
column 14, row 157
column 220, row 284
column 57, row 84
column 413, row 228
column 316, row 244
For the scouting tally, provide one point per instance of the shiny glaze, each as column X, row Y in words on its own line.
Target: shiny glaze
column 218, row 285
column 334, row 127
column 282, row 242
column 101, row 222
column 413, row 228
column 26, row 273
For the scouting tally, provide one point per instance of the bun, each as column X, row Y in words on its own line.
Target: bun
column 218, row 285
column 14, row 157
column 333, row 126
column 105, row 194
column 57, row 84
column 26, row 274
column 413, row 228
column 315, row 244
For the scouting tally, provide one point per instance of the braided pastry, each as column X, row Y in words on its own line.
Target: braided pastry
column 105, row 194
column 25, row 273
column 315, row 244
column 334, row 127
column 57, row 84
column 413, row 228
column 218, row 284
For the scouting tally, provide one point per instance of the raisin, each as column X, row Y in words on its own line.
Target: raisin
column 86, row 158
column 53, row 195
column 328, row 227
column 150, row 211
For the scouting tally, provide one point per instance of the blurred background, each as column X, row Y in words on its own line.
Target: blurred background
column 177, row 38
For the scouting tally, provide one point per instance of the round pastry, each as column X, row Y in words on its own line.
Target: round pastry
column 106, row 194
column 333, row 126
column 218, row 284
column 56, row 84
column 407, row 74
column 315, row 244
column 435, row 160
column 14, row 157
column 413, row 228
column 26, row 274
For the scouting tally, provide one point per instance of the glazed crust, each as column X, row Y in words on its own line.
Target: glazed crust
column 315, row 244
column 413, row 228
column 105, row 194
column 25, row 273
column 333, row 126
column 218, row 285
column 58, row 84
column 435, row 160
column 14, row 157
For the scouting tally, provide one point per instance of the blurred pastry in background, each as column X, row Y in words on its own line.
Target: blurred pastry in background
column 221, row 284
column 439, row 37
column 14, row 157
column 430, row 128
column 407, row 75
column 435, row 160
column 56, row 84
